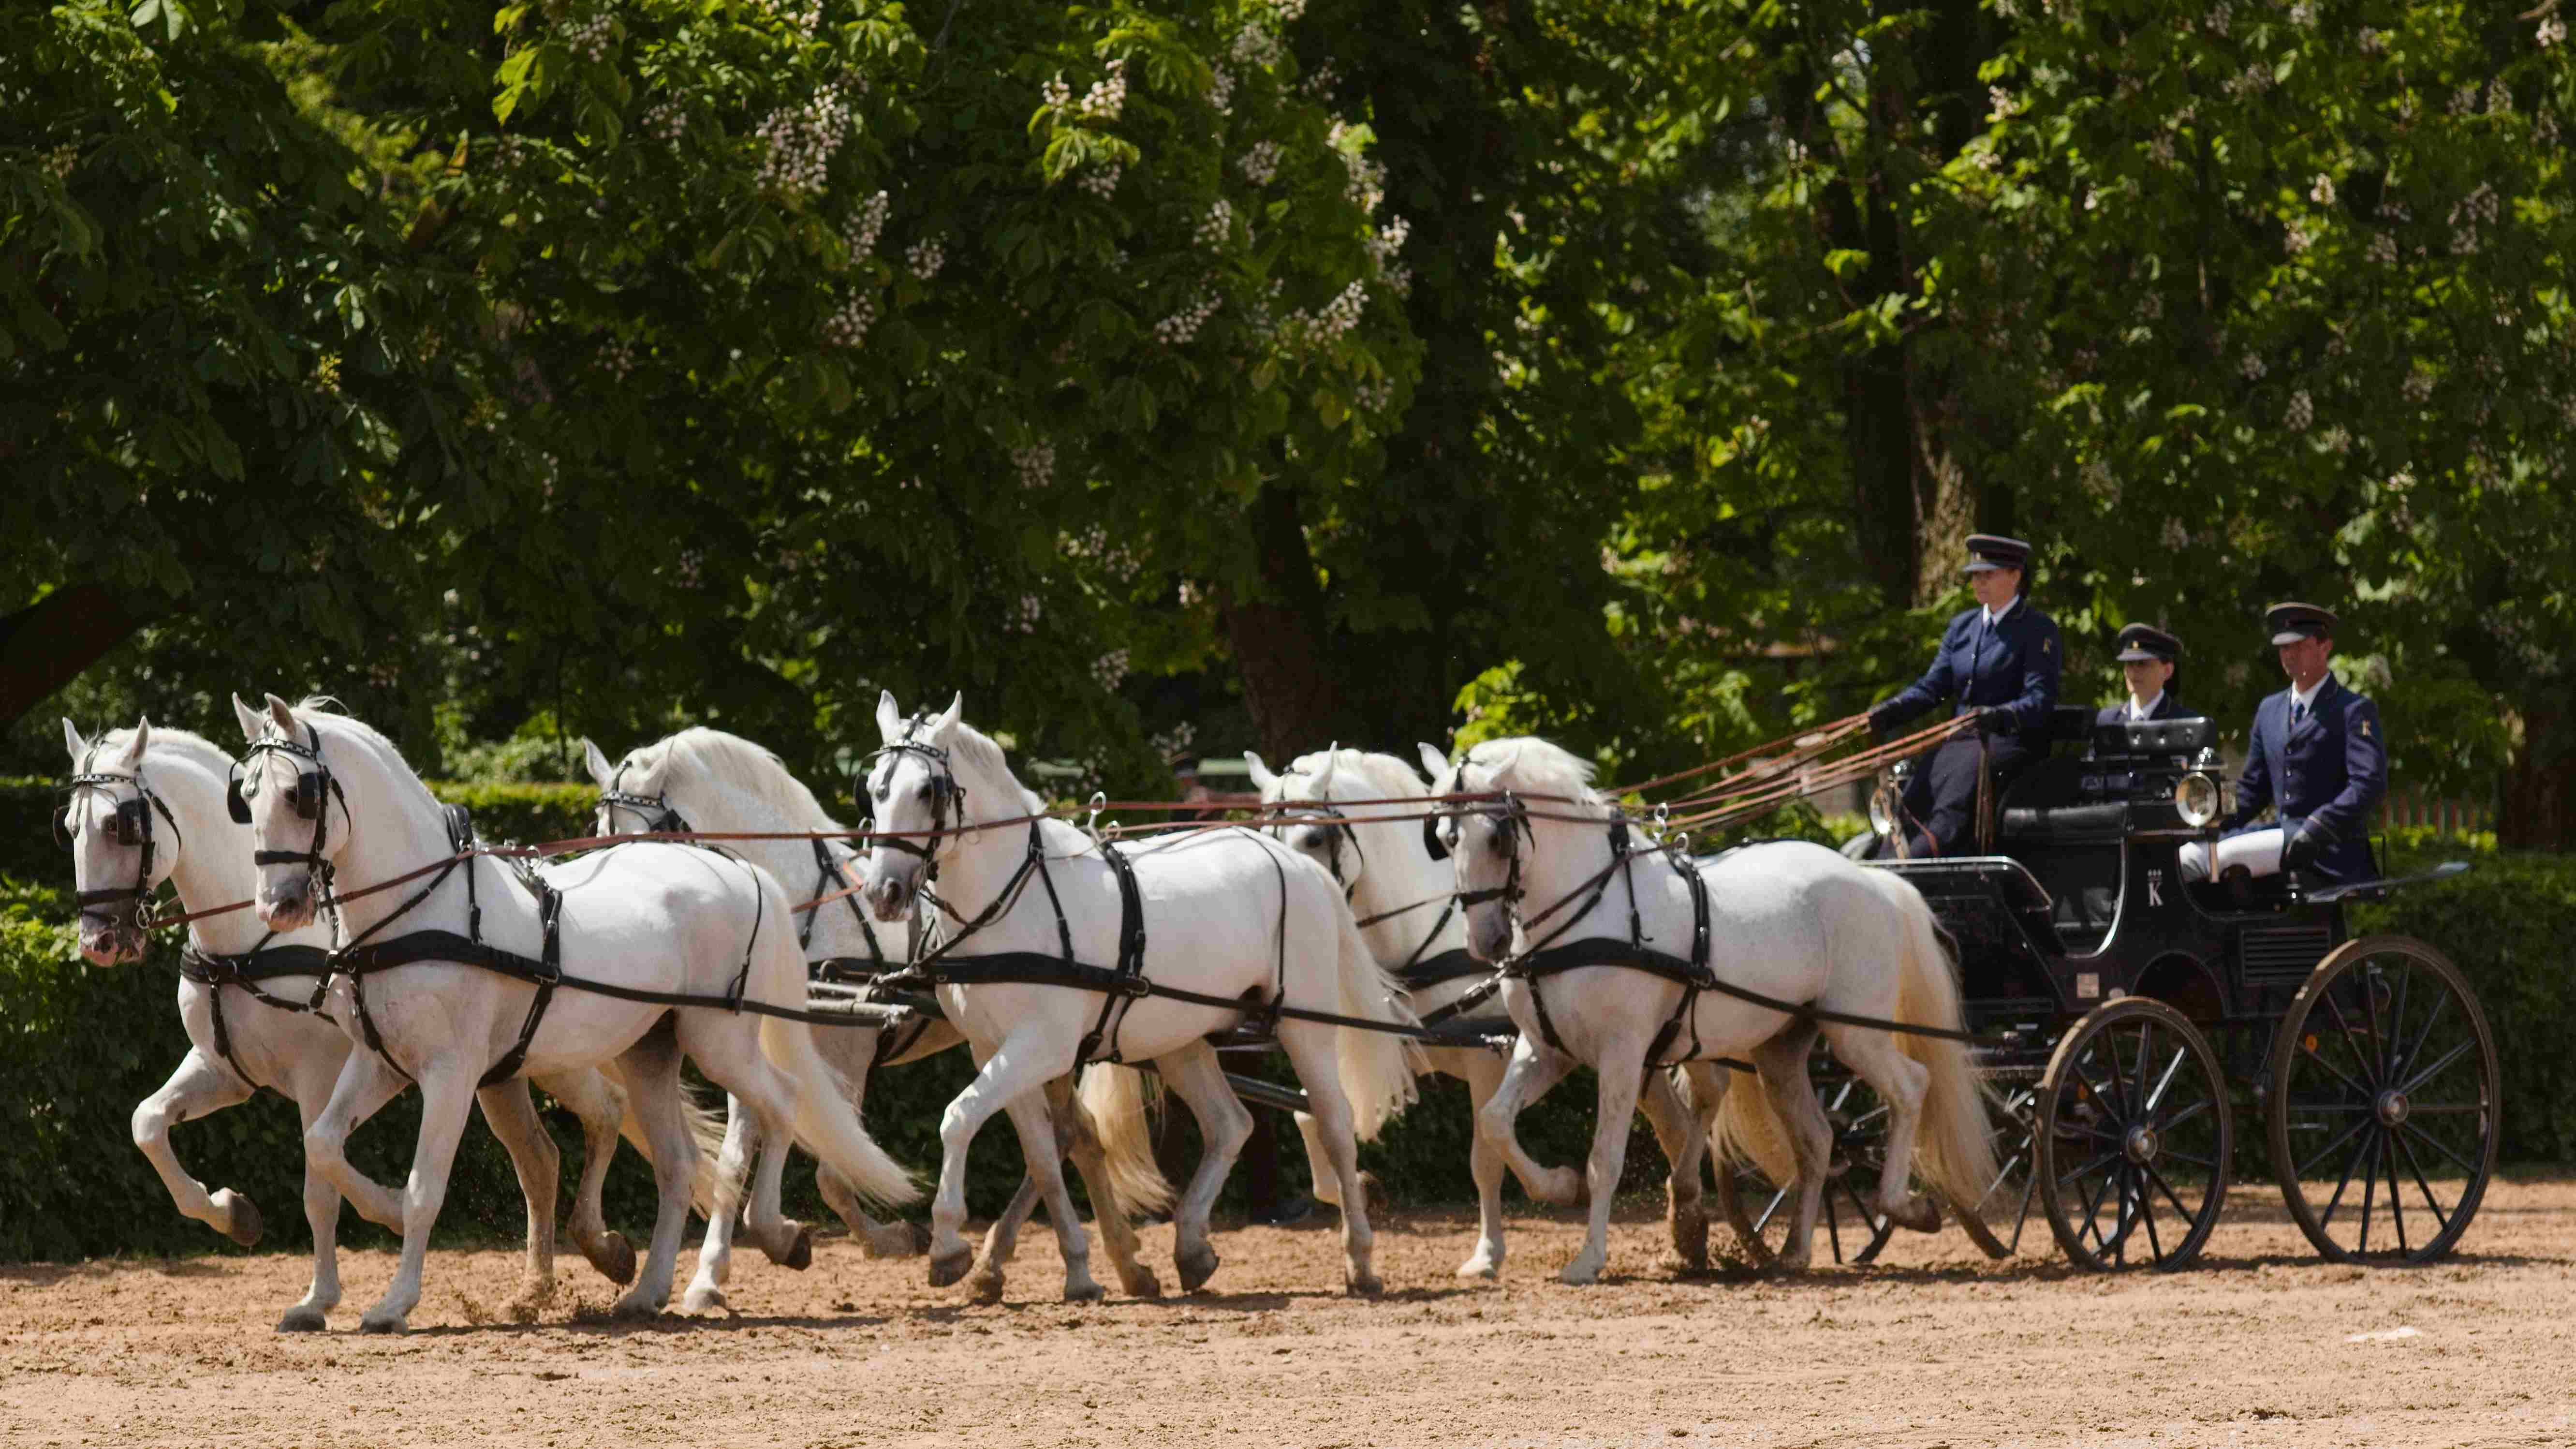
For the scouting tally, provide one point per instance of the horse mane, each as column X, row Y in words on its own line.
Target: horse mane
column 976, row 751
column 315, row 707
column 1533, row 766
column 1381, row 776
column 186, row 745
column 737, row 763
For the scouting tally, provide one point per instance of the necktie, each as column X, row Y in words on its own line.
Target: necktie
column 2298, row 712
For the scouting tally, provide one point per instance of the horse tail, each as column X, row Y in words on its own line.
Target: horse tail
column 824, row 1122
column 1955, row 1148
column 1377, row 1067
column 707, row 1132
column 1748, row 1128
column 1118, row 1099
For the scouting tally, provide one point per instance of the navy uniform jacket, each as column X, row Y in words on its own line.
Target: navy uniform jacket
column 2167, row 707
column 2011, row 669
column 2328, row 775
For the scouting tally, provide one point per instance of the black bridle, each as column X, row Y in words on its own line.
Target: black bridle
column 660, row 815
column 315, row 787
column 1336, row 826
column 945, row 795
column 130, row 826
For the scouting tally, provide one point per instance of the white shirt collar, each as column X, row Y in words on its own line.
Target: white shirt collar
column 1996, row 616
column 2141, row 711
column 2306, row 701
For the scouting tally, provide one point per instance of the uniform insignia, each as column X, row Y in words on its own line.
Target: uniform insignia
column 2364, row 728
column 2047, row 646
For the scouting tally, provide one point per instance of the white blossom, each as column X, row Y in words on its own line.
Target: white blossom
column 2419, row 386
column 1107, row 97
column 589, row 36
column 859, row 233
column 2301, row 414
column 2252, row 366
column 848, row 327
column 798, row 144
column 2295, row 240
column 2219, row 18
column 1109, row 668
column 2372, row 42
column 668, row 120
column 2552, row 30
column 925, row 257
column 1215, row 227
column 1260, row 163
column 1220, row 91
column 1101, row 181
column 1023, row 617
column 1178, row 329
column 2323, row 193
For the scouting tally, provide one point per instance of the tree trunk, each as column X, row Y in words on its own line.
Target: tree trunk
column 2538, row 811
column 1278, row 635
column 47, row 644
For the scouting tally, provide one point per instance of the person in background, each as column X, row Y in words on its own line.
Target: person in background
column 2147, row 658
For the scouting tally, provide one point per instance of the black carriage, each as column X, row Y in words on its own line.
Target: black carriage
column 2129, row 1022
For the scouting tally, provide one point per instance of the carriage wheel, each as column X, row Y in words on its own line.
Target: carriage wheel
column 2132, row 1138
column 1761, row 1211
column 2384, row 1092
column 1996, row 1222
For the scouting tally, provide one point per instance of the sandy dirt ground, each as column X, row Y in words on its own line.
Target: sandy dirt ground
column 2263, row 1345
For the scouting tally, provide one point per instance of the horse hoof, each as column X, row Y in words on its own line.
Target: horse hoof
column 920, row 1238
column 800, row 1253
column 1196, row 1267
column 373, row 1324
column 1562, row 1187
column 1084, row 1293
column 894, row 1240
column 1363, row 1285
column 633, row 1309
column 1141, row 1283
column 1482, row 1267
column 241, row 1219
column 303, row 1318
column 1921, row 1213
column 947, row 1268
column 986, row 1288
column 1690, row 1242
column 613, row 1256
column 703, row 1299
column 1580, row 1275
column 1374, row 1193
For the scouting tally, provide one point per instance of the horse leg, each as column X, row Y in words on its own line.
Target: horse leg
column 600, row 1104
column 651, row 1068
column 512, row 1115
column 1685, row 1140
column 1225, row 1124
column 1043, row 1149
column 1002, row 1239
column 196, row 1088
column 1483, row 1072
column 852, row 1052
column 729, row 1051
column 1533, row 1069
column 1314, row 1051
column 365, row 1084
column 446, row 1100
column 715, row 1252
column 1620, row 1073
column 1074, row 1127
column 312, row 1082
column 1901, row 1083
column 1022, row 1063
column 1782, row 1065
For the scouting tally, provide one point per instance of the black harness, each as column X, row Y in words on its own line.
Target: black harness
column 262, row 962
column 130, row 826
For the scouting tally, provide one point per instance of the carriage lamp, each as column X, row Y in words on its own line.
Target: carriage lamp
column 2196, row 796
column 1882, row 809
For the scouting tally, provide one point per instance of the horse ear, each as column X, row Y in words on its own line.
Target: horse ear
column 948, row 718
column 73, row 742
column 1324, row 774
column 889, row 716
column 601, row 770
column 284, row 713
column 1264, row 778
column 249, row 717
column 141, row 741
column 1435, row 761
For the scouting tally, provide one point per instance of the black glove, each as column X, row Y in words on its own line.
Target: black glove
column 1882, row 718
column 2303, row 848
column 1991, row 722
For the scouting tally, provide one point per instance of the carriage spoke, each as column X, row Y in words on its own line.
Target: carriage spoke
column 2369, row 1192
column 2344, row 1028
column 2424, row 1037
column 2396, row 1209
column 2356, row 1088
column 2371, row 990
column 2434, row 1070
column 2439, row 1146
column 2171, row 1196
column 2441, row 1219
column 2346, row 1180
column 2147, row 1212
column 2156, row 1098
column 2186, row 1114
column 2207, row 1164
column 2322, row 1152
column 2397, row 1025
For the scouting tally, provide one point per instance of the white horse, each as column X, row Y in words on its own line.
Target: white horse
column 334, row 809
column 1796, row 923
column 706, row 779
column 1406, row 903
column 1232, row 917
column 123, row 843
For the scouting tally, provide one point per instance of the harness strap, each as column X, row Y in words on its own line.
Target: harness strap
column 262, row 962
column 549, row 975
column 1129, row 974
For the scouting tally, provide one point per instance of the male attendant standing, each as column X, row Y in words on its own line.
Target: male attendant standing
column 1999, row 661
column 2317, row 756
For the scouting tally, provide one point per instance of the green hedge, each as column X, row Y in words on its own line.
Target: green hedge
column 2510, row 926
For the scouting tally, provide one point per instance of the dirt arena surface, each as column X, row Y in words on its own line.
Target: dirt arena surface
column 1932, row 1347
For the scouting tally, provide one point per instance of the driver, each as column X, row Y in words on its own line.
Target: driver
column 2317, row 754
column 2000, row 662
